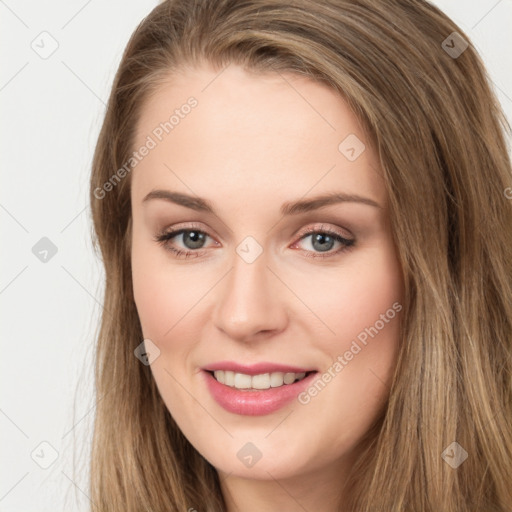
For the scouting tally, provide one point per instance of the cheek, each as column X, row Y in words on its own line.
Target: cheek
column 155, row 305
column 356, row 297
column 362, row 311
column 162, row 294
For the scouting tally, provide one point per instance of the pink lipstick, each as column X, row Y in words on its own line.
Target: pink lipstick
column 256, row 389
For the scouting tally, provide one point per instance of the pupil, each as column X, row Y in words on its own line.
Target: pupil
column 196, row 239
column 321, row 239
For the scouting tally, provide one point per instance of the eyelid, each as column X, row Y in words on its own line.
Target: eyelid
column 299, row 235
column 178, row 229
column 324, row 229
column 163, row 237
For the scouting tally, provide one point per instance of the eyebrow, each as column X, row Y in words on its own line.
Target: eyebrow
column 288, row 208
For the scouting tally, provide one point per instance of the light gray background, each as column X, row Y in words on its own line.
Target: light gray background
column 51, row 112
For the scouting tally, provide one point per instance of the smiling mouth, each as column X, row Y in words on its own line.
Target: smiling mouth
column 262, row 381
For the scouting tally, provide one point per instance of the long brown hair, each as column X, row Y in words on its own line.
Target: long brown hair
column 440, row 136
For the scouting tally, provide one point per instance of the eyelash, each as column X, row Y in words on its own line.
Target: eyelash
column 164, row 237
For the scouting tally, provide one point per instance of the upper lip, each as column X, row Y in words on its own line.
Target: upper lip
column 255, row 369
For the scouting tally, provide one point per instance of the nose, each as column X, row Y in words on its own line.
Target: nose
column 250, row 303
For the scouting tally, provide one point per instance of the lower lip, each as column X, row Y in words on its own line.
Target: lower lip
column 255, row 403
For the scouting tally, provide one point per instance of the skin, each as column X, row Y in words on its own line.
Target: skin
column 254, row 142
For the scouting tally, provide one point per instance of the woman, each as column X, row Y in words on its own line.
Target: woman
column 303, row 214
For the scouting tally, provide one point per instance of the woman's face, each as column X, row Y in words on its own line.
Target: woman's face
column 287, row 267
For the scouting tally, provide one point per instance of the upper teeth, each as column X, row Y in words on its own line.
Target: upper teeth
column 261, row 381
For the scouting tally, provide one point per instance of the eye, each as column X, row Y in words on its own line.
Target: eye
column 322, row 241
column 193, row 239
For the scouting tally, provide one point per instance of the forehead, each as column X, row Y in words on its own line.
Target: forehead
column 273, row 133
